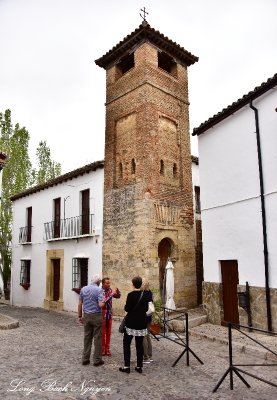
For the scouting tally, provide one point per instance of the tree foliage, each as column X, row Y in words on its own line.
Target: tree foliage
column 18, row 175
column 47, row 169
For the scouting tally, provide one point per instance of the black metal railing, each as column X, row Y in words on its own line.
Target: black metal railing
column 164, row 317
column 70, row 227
column 25, row 234
column 236, row 368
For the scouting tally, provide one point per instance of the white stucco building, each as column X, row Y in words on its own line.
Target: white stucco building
column 57, row 239
column 238, row 165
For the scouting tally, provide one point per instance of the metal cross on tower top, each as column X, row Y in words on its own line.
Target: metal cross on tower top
column 144, row 13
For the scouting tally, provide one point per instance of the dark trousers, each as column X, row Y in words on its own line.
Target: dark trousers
column 92, row 330
column 127, row 340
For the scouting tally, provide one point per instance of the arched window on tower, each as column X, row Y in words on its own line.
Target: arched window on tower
column 167, row 63
column 162, row 167
column 174, row 170
column 133, row 166
column 120, row 170
column 125, row 64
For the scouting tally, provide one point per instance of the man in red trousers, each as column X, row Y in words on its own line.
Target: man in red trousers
column 107, row 315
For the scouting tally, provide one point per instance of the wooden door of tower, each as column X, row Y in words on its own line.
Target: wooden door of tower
column 230, row 280
column 56, row 279
column 164, row 252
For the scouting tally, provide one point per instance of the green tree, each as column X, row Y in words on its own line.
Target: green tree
column 47, row 169
column 18, row 175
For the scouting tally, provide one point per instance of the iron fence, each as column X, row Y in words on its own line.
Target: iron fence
column 70, row 227
column 25, row 234
column 236, row 368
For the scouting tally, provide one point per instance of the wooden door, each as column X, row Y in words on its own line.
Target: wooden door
column 56, row 279
column 57, row 217
column 230, row 280
column 29, row 224
column 85, row 212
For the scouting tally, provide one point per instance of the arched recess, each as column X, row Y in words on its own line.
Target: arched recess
column 165, row 249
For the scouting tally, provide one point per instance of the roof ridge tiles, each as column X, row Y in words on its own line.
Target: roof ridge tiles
column 145, row 31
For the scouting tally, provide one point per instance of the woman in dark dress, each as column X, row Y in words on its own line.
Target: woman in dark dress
column 136, row 325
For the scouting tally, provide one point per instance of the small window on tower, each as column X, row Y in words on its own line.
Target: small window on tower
column 174, row 170
column 167, row 63
column 133, row 166
column 162, row 167
column 126, row 63
column 120, row 170
column 197, row 199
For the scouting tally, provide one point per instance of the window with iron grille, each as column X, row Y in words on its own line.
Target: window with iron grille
column 25, row 272
column 79, row 272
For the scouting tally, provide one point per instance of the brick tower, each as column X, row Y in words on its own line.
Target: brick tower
column 148, row 207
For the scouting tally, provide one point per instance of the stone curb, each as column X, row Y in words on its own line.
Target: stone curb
column 8, row 322
column 253, row 350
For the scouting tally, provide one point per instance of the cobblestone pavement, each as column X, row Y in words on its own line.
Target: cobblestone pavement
column 42, row 356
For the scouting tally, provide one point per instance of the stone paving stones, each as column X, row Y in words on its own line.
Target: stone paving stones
column 43, row 355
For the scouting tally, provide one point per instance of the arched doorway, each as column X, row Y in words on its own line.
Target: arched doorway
column 164, row 251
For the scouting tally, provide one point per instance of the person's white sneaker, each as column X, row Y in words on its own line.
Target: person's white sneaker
column 146, row 361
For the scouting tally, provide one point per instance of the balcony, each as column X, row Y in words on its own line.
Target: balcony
column 70, row 228
column 25, row 235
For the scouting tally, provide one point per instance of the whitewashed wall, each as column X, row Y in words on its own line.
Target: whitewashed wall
column 42, row 211
column 230, row 203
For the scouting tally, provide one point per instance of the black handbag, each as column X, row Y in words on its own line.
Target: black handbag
column 121, row 328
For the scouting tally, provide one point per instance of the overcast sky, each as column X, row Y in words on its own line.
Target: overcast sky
column 50, row 82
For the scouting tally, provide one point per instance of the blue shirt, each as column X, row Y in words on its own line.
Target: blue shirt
column 90, row 295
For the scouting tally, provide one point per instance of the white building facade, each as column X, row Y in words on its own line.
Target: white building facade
column 239, row 209
column 57, row 239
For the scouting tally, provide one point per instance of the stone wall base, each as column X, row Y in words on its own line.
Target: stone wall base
column 212, row 302
column 53, row 305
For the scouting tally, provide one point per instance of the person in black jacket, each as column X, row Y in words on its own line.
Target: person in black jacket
column 136, row 325
column 147, row 344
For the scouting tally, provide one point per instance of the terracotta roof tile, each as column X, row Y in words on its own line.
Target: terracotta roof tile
column 62, row 178
column 145, row 33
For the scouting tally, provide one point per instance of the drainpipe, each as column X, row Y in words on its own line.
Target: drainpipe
column 267, row 289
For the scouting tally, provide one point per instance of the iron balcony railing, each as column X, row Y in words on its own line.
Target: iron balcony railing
column 70, row 227
column 25, row 234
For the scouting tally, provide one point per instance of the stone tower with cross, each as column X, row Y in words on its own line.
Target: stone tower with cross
column 148, row 205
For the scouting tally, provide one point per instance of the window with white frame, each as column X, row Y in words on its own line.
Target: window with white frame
column 25, row 272
column 79, row 272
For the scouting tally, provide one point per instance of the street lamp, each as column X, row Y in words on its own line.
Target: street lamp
column 64, row 200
